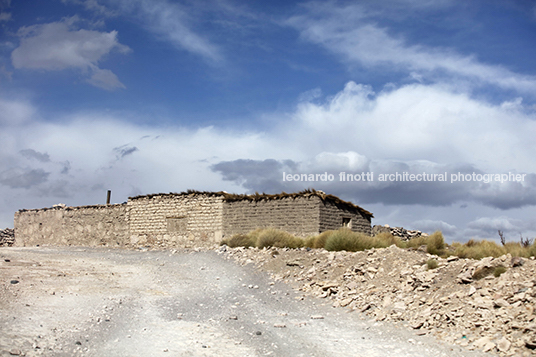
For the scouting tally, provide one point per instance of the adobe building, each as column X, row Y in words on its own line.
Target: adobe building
column 187, row 219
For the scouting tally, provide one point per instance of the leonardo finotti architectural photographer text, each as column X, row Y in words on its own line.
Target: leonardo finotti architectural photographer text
column 405, row 177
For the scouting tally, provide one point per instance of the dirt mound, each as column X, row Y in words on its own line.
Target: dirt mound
column 486, row 305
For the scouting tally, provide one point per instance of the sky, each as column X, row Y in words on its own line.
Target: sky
column 154, row 96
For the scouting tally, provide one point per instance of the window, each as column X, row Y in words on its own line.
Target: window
column 347, row 222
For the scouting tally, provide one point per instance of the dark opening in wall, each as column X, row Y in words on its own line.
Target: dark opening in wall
column 347, row 222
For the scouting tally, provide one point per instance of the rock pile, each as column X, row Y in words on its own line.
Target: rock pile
column 461, row 301
column 7, row 237
column 400, row 232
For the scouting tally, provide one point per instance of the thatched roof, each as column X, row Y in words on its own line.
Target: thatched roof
column 231, row 197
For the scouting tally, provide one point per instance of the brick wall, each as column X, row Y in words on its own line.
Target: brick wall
column 175, row 220
column 333, row 215
column 298, row 216
column 86, row 226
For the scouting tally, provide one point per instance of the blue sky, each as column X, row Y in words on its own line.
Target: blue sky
column 141, row 96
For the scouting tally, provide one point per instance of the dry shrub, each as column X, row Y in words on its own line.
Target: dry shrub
column 345, row 239
column 240, row 240
column 517, row 250
column 320, row 240
column 309, row 242
column 435, row 243
column 482, row 272
column 532, row 250
column 479, row 249
column 499, row 270
column 384, row 240
column 431, row 264
column 415, row 242
column 275, row 238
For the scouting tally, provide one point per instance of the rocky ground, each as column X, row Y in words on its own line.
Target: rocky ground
column 460, row 302
column 74, row 301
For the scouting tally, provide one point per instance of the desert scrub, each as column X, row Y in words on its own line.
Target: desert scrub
column 320, row 240
column 275, row 238
column 384, row 240
column 435, row 243
column 479, row 249
column 240, row 240
column 431, row 264
column 345, row 239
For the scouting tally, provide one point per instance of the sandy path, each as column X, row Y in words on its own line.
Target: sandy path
column 103, row 302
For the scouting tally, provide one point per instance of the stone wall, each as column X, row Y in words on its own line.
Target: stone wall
column 175, row 220
column 295, row 215
column 7, row 237
column 400, row 232
column 334, row 215
column 86, row 226
column 188, row 219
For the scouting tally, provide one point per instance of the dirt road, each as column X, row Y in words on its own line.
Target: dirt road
column 103, row 302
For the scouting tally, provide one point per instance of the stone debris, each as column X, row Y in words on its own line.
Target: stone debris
column 402, row 233
column 7, row 237
column 461, row 301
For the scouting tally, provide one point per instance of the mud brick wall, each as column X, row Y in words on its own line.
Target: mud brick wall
column 85, row 226
column 332, row 216
column 298, row 216
column 175, row 220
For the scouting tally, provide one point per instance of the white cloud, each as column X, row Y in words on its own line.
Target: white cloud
column 430, row 226
column 105, row 79
column 350, row 32
column 413, row 128
column 415, row 122
column 5, row 16
column 173, row 23
column 59, row 46
column 14, row 112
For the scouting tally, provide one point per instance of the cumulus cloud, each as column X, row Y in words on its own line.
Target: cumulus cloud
column 59, row 45
column 351, row 32
column 416, row 128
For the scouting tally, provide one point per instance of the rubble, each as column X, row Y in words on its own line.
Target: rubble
column 7, row 237
column 400, row 232
column 461, row 301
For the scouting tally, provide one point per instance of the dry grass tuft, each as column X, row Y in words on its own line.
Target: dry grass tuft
column 275, row 238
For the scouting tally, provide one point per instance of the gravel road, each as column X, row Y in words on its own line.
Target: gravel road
column 71, row 301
